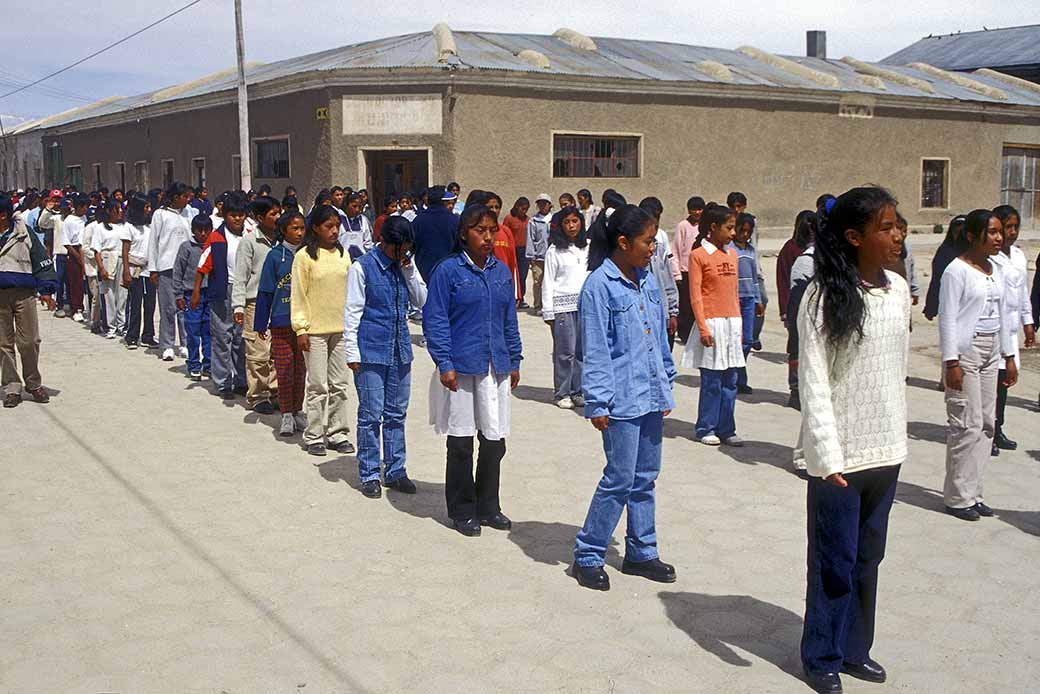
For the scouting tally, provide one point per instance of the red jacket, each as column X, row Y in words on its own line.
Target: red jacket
column 505, row 251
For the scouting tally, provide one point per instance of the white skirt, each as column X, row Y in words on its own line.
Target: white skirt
column 727, row 352
column 481, row 403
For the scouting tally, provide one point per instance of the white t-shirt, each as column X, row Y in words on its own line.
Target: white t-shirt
column 72, row 231
column 89, row 266
column 989, row 319
column 138, row 238
column 107, row 238
column 233, row 240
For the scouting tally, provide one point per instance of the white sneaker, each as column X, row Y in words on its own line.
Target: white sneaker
column 111, row 335
column 734, row 441
column 565, row 404
column 78, row 317
column 167, row 355
column 301, row 421
column 578, row 400
column 59, row 313
column 710, row 440
column 288, row 427
column 183, row 351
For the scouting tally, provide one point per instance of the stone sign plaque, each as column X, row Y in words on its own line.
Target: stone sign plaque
column 392, row 115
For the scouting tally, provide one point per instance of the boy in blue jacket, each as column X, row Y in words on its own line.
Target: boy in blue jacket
column 196, row 319
column 273, row 304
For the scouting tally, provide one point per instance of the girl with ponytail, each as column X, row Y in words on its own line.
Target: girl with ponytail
column 627, row 384
column 853, row 327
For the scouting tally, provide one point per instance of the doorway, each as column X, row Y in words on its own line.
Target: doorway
column 392, row 172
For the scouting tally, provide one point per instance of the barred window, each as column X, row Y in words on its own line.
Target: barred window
column 935, row 183
column 272, row 158
column 595, row 156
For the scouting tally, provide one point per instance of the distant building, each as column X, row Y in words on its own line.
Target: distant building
column 1014, row 51
column 522, row 114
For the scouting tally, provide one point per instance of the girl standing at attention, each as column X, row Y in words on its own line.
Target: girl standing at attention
column 107, row 246
column 716, row 308
column 627, row 381
column 470, row 325
column 273, row 312
column 854, row 328
column 319, row 293
column 378, row 348
column 975, row 339
column 566, row 267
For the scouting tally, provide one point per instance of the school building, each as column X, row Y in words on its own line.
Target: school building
column 524, row 114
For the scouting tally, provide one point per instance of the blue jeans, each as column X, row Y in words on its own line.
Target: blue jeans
column 848, row 530
column 228, row 367
column 196, row 327
column 633, row 449
column 747, row 334
column 62, row 297
column 383, row 394
column 717, row 403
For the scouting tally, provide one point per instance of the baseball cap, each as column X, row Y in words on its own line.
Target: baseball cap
column 55, row 194
column 543, row 197
column 449, row 196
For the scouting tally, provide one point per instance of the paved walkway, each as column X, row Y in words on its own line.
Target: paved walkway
column 158, row 540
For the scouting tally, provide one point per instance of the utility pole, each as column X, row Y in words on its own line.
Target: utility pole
column 243, row 103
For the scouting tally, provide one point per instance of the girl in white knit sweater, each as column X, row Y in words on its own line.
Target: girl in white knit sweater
column 566, row 263
column 853, row 324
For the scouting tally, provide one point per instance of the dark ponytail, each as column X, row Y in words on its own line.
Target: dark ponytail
column 628, row 221
column 715, row 214
column 839, row 287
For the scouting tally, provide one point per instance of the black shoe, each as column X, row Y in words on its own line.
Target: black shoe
column 968, row 514
column 240, row 390
column 227, row 394
column 263, row 407
column 344, row 447
column 795, row 402
column 593, row 577
column 149, row 342
column 498, row 521
column 994, row 451
column 1002, row 442
column 823, row 682
column 402, row 484
column 984, row 510
column 523, row 305
column 470, row 527
column 745, row 390
column 655, row 570
column 371, row 489
column 317, row 449
column 869, row 671
column 12, row 400
column 757, row 346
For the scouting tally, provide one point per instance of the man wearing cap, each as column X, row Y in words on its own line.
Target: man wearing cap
column 435, row 229
column 538, row 244
column 25, row 269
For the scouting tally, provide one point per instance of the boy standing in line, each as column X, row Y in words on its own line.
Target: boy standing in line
column 538, row 244
column 196, row 318
column 249, row 264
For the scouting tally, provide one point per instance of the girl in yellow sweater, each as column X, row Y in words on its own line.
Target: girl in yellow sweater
column 319, row 294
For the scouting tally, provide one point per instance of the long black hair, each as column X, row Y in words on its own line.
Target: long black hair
column 839, row 288
column 396, row 231
column 628, row 221
column 804, row 228
column 285, row 220
column 135, row 208
column 1006, row 212
column 319, row 216
column 714, row 213
column 975, row 225
column 558, row 237
column 103, row 212
column 470, row 218
column 176, row 188
column 515, row 211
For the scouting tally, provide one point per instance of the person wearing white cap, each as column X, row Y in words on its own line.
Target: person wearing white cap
column 538, row 244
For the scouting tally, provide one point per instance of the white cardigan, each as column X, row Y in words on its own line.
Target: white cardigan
column 854, row 396
column 565, row 273
column 962, row 298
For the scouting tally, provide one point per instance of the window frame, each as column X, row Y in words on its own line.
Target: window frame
column 76, row 179
column 947, row 187
column 121, row 175
column 236, row 170
column 255, row 153
column 640, row 139
column 194, row 172
column 97, row 169
column 144, row 184
column 173, row 171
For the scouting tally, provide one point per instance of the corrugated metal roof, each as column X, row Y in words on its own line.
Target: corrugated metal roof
column 614, row 58
column 974, row 49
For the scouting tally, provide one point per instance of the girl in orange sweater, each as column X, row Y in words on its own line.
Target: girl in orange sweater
column 716, row 308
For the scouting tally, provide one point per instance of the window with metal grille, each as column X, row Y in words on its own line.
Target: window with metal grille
column 935, row 177
column 1020, row 183
column 167, row 172
column 74, row 176
column 141, row 176
column 595, row 156
column 272, row 158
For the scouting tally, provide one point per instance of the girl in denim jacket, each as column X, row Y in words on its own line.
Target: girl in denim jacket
column 627, row 383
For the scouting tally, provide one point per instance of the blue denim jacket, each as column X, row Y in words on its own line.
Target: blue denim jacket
column 469, row 319
column 628, row 369
column 383, row 333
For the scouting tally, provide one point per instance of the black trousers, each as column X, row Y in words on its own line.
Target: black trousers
column 468, row 497
column 1002, row 393
column 134, row 301
column 151, row 293
column 847, row 532
column 686, row 319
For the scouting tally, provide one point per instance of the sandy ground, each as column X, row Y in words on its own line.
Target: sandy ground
column 156, row 539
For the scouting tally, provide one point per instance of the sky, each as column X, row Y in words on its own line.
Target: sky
column 201, row 40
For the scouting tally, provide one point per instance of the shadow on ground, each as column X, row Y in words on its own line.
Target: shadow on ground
column 927, row 431
column 553, row 543
column 540, row 394
column 763, row 453
column 771, row 357
column 722, row 623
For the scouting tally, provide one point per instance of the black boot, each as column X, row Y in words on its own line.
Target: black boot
column 489, row 471
column 1001, row 441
